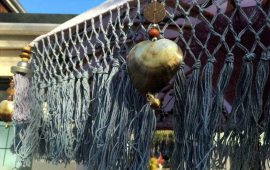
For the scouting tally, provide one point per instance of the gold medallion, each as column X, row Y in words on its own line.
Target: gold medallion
column 154, row 12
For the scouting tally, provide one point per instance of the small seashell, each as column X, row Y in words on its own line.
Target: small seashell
column 6, row 110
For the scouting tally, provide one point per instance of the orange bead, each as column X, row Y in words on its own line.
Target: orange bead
column 153, row 32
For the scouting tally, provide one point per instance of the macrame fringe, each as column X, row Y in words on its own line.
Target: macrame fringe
column 63, row 120
column 204, row 137
column 110, row 127
column 123, row 125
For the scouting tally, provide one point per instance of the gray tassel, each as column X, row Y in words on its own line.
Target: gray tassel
column 21, row 98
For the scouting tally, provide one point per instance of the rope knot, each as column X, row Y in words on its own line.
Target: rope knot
column 71, row 76
column 249, row 57
column 94, row 70
column 222, row 39
column 85, row 74
column 268, row 20
column 98, row 70
column 237, row 39
column 211, row 60
column 53, row 82
column 229, row 58
column 196, row 65
column 182, row 65
column 65, row 78
column 79, row 75
column 188, row 48
column 42, row 86
column 211, row 29
column 116, row 63
column 266, row 54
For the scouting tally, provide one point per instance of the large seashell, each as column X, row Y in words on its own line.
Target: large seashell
column 152, row 64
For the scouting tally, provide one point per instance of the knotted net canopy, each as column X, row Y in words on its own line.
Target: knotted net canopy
column 83, row 106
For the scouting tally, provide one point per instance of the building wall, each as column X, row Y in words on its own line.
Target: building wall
column 13, row 37
column 11, row 6
column 3, row 8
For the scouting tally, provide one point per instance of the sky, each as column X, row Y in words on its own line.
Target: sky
column 59, row 6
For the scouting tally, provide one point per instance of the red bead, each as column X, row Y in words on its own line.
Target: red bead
column 153, row 32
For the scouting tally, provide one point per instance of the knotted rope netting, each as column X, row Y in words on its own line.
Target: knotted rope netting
column 84, row 107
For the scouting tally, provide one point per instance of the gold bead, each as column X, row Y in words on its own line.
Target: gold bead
column 154, row 102
column 27, row 49
column 25, row 55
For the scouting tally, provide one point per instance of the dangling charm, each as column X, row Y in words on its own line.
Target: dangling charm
column 6, row 106
column 154, row 12
column 152, row 64
column 22, row 73
column 154, row 102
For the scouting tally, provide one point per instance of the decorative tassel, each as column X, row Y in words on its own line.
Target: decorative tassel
column 206, row 133
column 243, row 87
column 144, row 125
column 266, row 109
column 22, row 73
column 82, row 130
column 262, row 131
column 66, row 129
column 53, row 125
column 178, row 110
column 99, row 116
column 29, row 136
column 240, row 138
column 222, row 83
column 259, row 84
column 191, row 119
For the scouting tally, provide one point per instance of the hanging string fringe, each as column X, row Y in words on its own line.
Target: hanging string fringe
column 120, row 128
column 83, row 106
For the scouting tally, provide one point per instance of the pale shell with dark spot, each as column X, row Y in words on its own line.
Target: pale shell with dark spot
column 152, row 64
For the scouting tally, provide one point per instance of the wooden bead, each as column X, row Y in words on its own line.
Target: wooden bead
column 11, row 89
column 26, row 49
column 153, row 32
column 25, row 55
column 11, row 84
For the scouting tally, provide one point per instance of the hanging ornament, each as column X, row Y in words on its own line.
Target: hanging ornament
column 152, row 63
column 6, row 106
column 154, row 12
column 22, row 73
